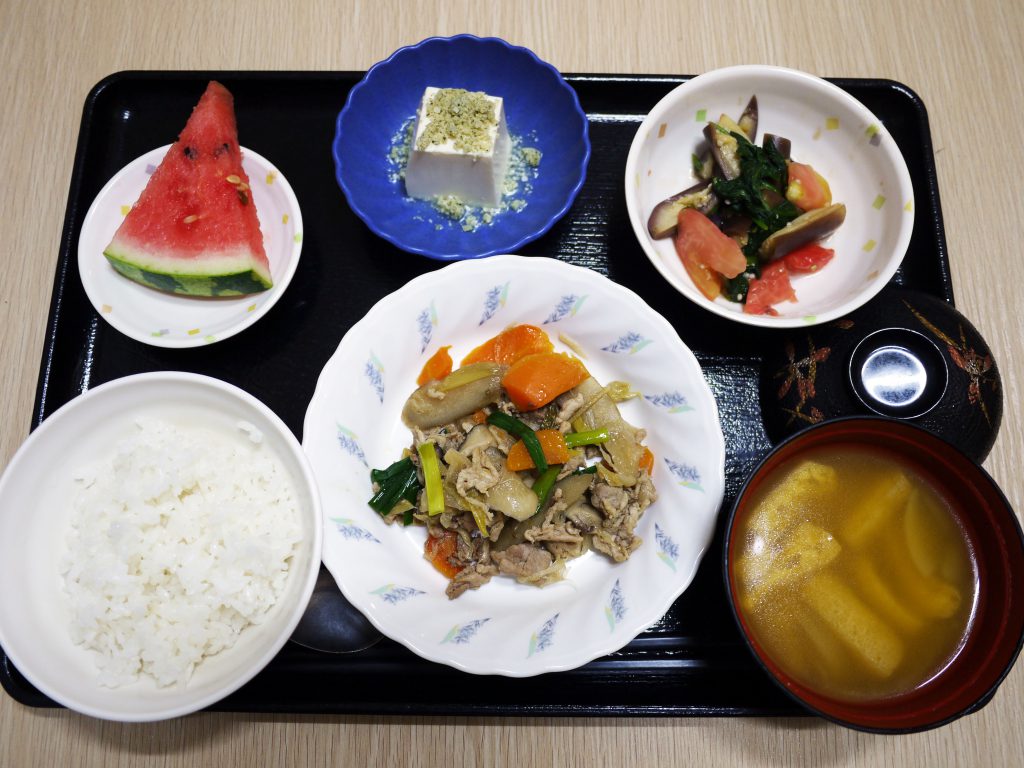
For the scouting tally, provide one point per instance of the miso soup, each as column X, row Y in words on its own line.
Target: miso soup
column 854, row 574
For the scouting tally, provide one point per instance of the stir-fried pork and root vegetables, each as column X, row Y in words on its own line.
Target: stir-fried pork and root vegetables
column 520, row 461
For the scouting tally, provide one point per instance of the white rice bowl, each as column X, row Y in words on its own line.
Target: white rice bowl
column 170, row 557
column 156, row 572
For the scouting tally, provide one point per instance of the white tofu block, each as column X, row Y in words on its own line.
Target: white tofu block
column 476, row 178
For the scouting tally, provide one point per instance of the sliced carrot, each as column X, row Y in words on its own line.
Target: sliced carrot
column 647, row 461
column 511, row 344
column 536, row 380
column 551, row 441
column 478, row 417
column 439, row 550
column 437, row 367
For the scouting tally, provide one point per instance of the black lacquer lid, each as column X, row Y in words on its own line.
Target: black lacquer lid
column 906, row 355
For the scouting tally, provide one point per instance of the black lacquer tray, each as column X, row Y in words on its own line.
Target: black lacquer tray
column 693, row 661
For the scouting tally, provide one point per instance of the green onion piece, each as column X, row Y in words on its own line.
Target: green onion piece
column 480, row 517
column 431, row 477
column 544, row 485
column 515, row 427
column 394, row 484
column 590, row 437
column 591, row 470
column 399, row 468
column 407, row 518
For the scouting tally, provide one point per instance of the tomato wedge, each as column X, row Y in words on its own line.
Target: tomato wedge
column 708, row 281
column 808, row 258
column 772, row 287
column 699, row 242
column 806, row 189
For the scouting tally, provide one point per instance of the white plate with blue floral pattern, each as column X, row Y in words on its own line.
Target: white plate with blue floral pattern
column 353, row 424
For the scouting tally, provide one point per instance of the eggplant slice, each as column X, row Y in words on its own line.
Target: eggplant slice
column 806, row 228
column 748, row 120
column 781, row 143
column 665, row 216
column 725, row 150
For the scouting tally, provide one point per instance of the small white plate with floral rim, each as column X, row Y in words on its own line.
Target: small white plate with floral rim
column 353, row 424
column 165, row 319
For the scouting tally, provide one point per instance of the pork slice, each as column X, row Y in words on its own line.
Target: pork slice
column 446, row 437
column 644, row 492
column 481, row 475
column 568, row 404
column 522, row 561
column 618, row 543
column 471, row 577
column 472, row 547
column 554, row 528
column 584, row 517
column 609, row 499
column 494, row 531
column 615, row 536
column 564, row 532
column 567, row 550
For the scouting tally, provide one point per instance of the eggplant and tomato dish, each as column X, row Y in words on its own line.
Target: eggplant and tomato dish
column 520, row 461
column 755, row 217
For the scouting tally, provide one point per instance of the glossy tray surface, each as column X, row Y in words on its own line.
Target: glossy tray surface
column 693, row 661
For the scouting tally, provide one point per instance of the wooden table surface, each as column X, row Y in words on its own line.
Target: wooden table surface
column 964, row 59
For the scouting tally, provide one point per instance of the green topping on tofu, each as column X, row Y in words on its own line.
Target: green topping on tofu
column 463, row 117
column 450, row 206
column 531, row 156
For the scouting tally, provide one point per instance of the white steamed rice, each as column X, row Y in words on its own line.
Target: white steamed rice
column 178, row 543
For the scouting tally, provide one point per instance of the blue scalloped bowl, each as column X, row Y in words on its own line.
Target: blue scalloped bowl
column 538, row 103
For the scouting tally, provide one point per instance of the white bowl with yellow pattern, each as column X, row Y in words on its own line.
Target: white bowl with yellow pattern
column 354, row 423
column 163, row 319
column 829, row 130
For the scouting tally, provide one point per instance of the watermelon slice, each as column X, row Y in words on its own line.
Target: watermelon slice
column 194, row 228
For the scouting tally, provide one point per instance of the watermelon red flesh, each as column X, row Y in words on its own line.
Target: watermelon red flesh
column 194, row 230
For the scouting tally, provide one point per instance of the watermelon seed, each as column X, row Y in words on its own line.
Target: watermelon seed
column 190, row 219
column 191, row 153
column 243, row 197
column 232, row 179
column 242, row 187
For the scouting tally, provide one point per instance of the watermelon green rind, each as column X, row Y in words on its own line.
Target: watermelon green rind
column 224, row 276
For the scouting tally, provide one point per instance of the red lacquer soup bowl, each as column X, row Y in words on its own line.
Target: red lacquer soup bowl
column 995, row 629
